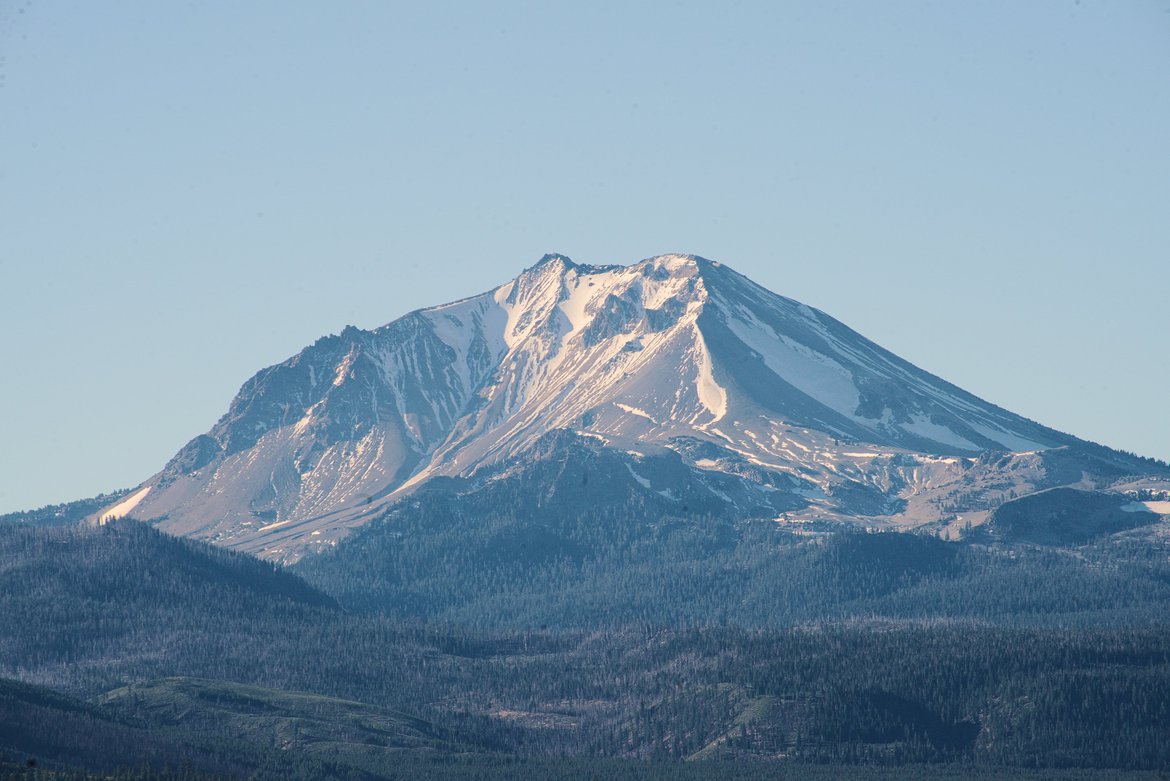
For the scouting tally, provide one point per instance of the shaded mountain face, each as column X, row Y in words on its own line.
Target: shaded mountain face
column 675, row 366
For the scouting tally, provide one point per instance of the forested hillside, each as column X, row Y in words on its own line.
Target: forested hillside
column 107, row 613
column 64, row 513
column 489, row 560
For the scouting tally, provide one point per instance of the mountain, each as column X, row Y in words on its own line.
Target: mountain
column 701, row 383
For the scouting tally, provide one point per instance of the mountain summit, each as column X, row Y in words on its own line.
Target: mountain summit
column 767, row 407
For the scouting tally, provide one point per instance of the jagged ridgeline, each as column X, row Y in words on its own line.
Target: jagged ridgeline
column 710, row 390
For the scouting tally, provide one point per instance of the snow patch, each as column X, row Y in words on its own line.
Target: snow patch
column 641, row 480
column 1010, row 441
column 711, row 394
column 574, row 306
column 1161, row 508
column 807, row 370
column 123, row 508
column 634, row 411
column 926, row 428
column 344, row 367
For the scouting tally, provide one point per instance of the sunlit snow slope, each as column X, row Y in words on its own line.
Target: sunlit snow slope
column 675, row 353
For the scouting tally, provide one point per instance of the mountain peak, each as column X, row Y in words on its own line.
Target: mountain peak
column 552, row 259
column 678, row 260
column 672, row 265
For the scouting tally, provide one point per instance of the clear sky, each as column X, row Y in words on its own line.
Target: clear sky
column 192, row 191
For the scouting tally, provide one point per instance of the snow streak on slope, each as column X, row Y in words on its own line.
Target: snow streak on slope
column 124, row 507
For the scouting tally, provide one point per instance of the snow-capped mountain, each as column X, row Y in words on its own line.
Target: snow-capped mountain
column 674, row 356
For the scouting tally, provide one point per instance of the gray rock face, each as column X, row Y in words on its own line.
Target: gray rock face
column 769, row 408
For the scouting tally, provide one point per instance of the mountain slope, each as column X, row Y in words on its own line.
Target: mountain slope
column 200, row 727
column 673, row 353
column 572, row 540
column 89, row 603
column 38, row 723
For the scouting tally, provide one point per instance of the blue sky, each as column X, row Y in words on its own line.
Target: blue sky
column 190, row 192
